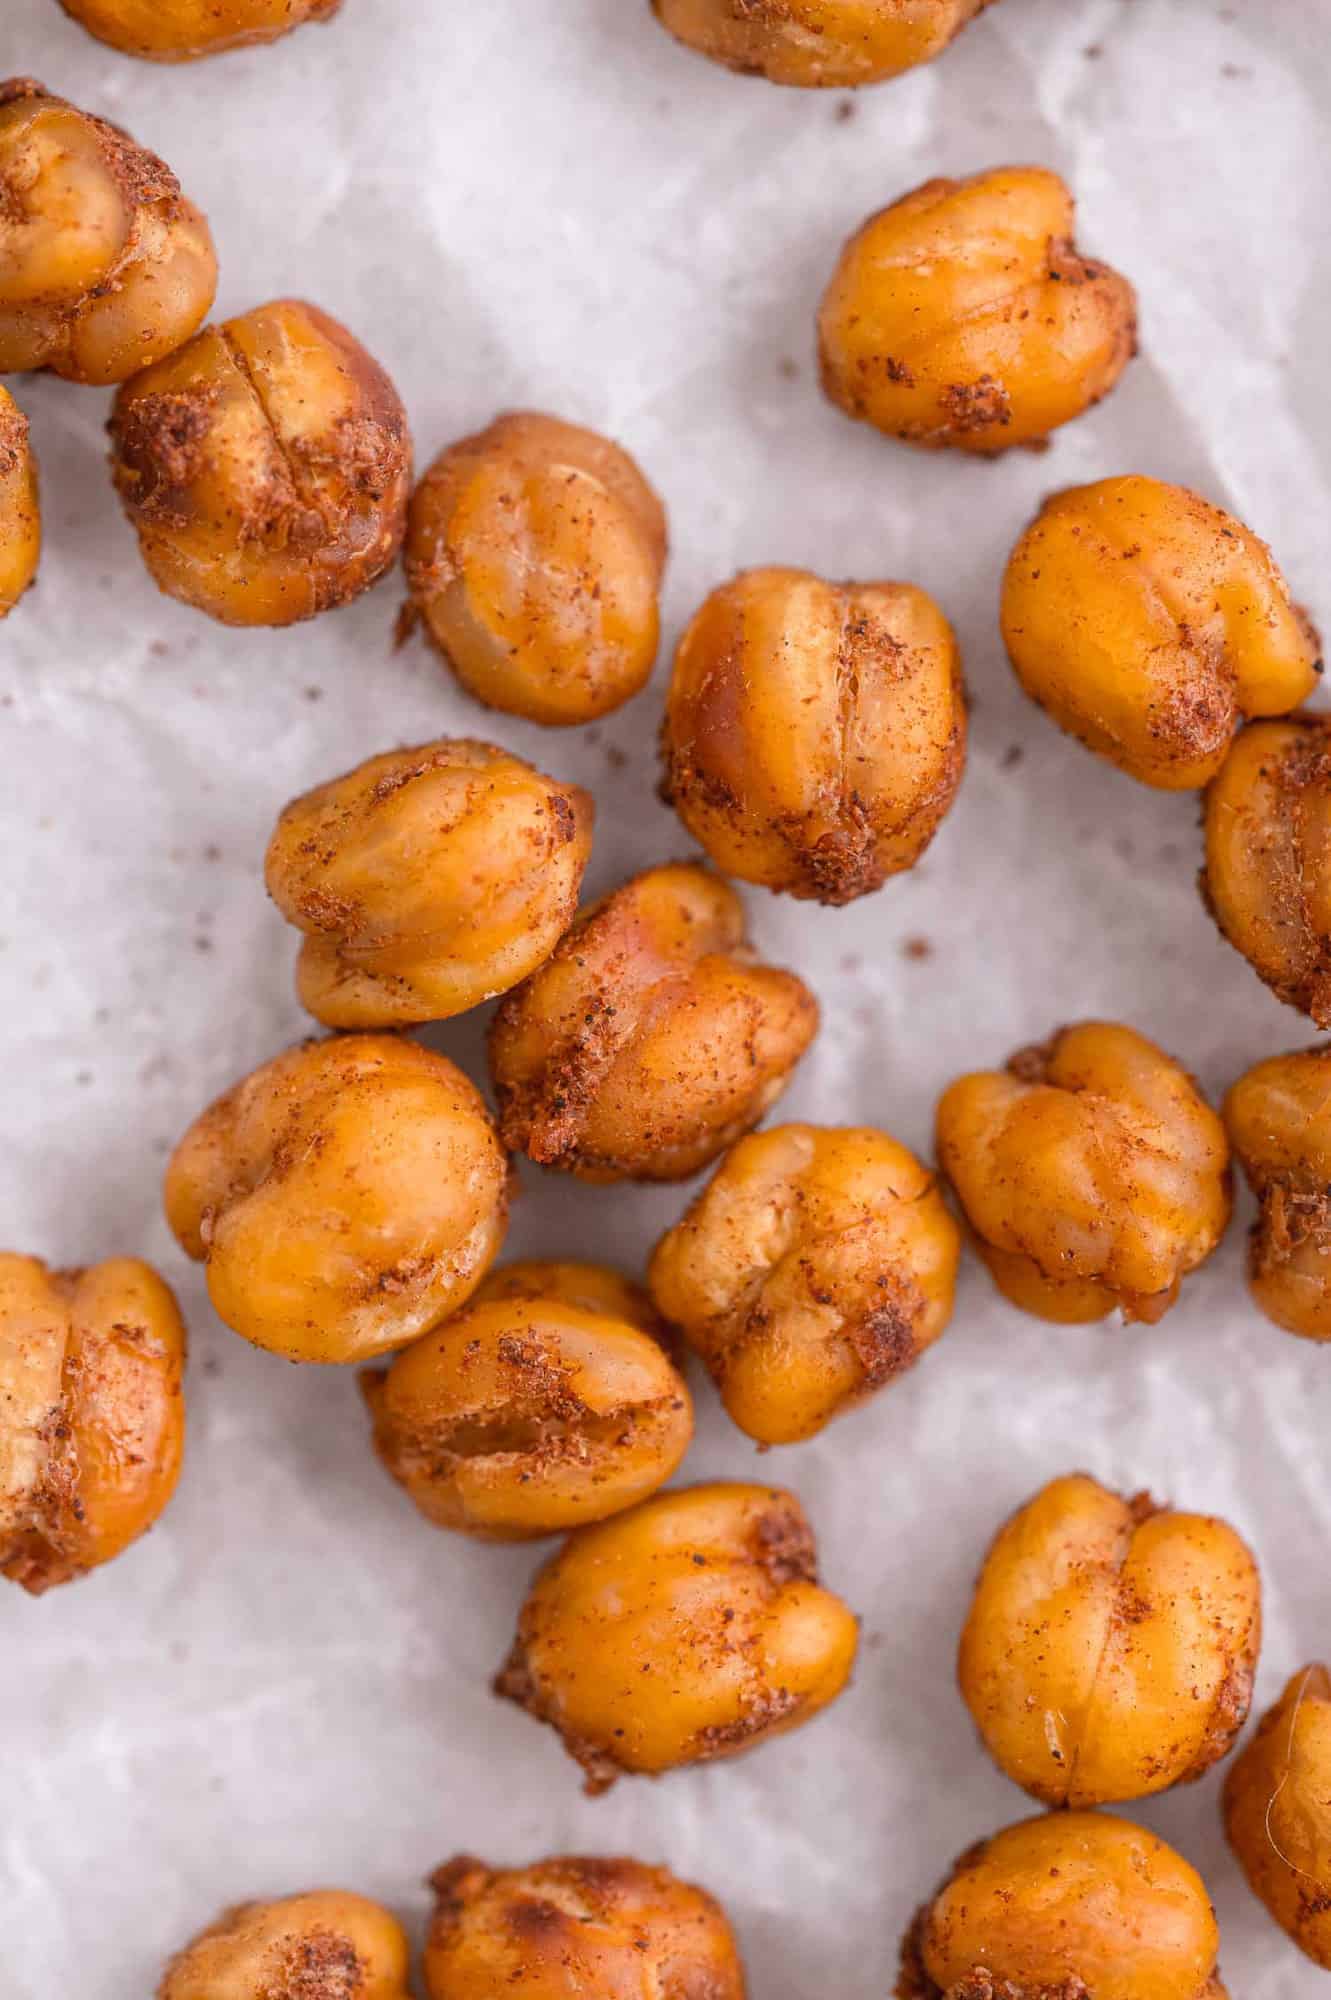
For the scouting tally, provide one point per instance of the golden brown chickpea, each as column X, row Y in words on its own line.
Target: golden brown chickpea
column 345, row 1197
column 20, row 510
column 551, row 1401
column 572, row 1927
column 1149, row 623
column 964, row 315
column 92, row 1415
column 1092, row 1172
column 818, row 44
column 427, row 881
column 1111, row 1645
column 104, row 266
column 691, row 1628
column 652, row 1037
column 265, row 467
column 1279, row 1121
column 326, row 1945
column 1278, row 1812
column 1070, row 1906
column 534, row 556
column 815, row 1267
column 176, row 30
column 815, row 733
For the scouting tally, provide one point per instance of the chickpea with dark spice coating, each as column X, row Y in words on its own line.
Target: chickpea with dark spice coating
column 965, row 317
column 20, row 508
column 1278, row 1812
column 180, row 30
column 818, row 44
column 814, row 733
column 1279, row 1121
column 324, row 1945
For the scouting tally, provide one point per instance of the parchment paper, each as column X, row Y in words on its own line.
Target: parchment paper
column 546, row 203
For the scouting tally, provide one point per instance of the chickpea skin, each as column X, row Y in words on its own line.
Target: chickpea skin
column 575, row 1926
column 427, row 881
column 1148, row 624
column 1070, row 1906
column 815, row 1267
column 105, row 267
column 179, row 30
column 651, row 1038
column 326, row 1944
column 815, row 733
column 1092, row 1172
column 1278, row 1812
column 20, row 509
column 964, row 316
column 265, row 467
column 1111, row 1645
column 534, row 557
column 691, row 1628
column 92, row 1414
column 818, row 44
column 1279, row 1120
column 345, row 1197
column 548, row 1402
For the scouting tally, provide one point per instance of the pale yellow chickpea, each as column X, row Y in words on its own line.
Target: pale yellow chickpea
column 427, row 881
column 818, row 44
column 20, row 509
column 534, row 556
column 178, row 30
column 1278, row 1812
column 325, row 1945
column 105, row 267
column 1279, row 1121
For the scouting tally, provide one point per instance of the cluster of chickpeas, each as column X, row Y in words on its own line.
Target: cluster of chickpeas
column 349, row 1199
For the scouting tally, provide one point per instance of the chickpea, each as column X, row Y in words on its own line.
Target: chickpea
column 815, row 733
column 534, row 556
column 1279, row 1121
column 815, row 1267
column 573, row 1926
column 345, row 1197
column 20, row 510
column 265, row 467
column 651, row 1038
column 1111, row 1645
column 550, row 1401
column 92, row 1416
column 827, row 44
column 1148, row 623
column 1069, row 1906
column 691, row 1628
column 1278, row 1812
column 965, row 316
column 427, row 881
column 1092, row 1172
column 326, row 1945
column 177, row 30
column 104, row 266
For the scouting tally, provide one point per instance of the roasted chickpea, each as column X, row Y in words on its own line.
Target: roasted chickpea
column 1111, row 1645
column 549, row 1402
column 92, row 1416
column 827, row 44
column 345, row 1197
column 651, row 1038
column 1092, row 1172
column 1279, row 1121
column 1148, row 623
column 1070, row 1906
column 426, row 881
column 572, row 1927
column 176, row 30
column 265, row 467
column 326, row 1945
column 534, row 556
column 692, row 1627
column 815, row 733
column 104, row 266
column 815, row 1267
column 1278, row 1812
column 20, row 511
column 965, row 316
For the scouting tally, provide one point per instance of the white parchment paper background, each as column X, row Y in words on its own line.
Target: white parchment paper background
column 546, row 203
